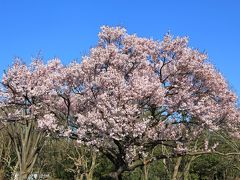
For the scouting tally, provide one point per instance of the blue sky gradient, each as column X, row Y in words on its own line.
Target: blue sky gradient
column 67, row 29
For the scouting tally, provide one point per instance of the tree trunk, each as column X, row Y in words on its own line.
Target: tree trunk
column 79, row 177
column 187, row 168
column 2, row 173
column 117, row 174
column 26, row 140
column 145, row 171
column 176, row 167
column 89, row 175
column 23, row 175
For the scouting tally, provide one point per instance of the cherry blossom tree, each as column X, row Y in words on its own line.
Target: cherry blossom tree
column 129, row 95
column 132, row 94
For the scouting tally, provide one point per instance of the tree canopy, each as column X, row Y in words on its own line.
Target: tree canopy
column 129, row 96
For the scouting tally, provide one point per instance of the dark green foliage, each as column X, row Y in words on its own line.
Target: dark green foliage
column 57, row 161
column 103, row 168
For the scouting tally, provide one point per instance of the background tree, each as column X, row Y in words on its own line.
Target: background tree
column 24, row 92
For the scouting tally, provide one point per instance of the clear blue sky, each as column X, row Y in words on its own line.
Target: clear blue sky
column 68, row 28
